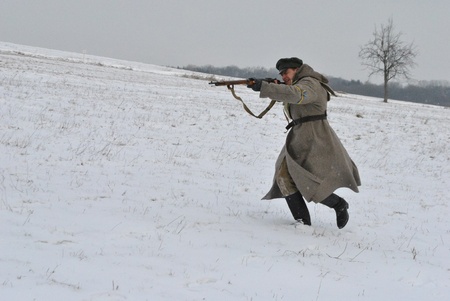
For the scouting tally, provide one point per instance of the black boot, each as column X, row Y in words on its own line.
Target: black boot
column 298, row 208
column 340, row 206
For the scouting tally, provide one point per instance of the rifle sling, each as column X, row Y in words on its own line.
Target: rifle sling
column 231, row 88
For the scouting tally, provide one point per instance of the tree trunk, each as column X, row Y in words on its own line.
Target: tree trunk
column 385, row 89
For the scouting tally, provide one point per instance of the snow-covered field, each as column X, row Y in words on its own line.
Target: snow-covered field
column 128, row 181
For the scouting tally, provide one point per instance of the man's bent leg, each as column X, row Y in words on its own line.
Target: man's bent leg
column 340, row 206
column 293, row 197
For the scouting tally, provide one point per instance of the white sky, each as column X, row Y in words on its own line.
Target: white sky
column 325, row 34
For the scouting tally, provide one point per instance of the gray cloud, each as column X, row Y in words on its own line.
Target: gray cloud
column 325, row 34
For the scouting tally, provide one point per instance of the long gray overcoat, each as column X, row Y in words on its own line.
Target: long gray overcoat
column 316, row 159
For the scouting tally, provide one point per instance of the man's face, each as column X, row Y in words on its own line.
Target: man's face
column 288, row 75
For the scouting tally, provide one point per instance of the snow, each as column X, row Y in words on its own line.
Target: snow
column 127, row 181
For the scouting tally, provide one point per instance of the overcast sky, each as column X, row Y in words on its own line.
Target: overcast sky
column 325, row 34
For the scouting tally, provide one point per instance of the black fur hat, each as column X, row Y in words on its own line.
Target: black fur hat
column 286, row 63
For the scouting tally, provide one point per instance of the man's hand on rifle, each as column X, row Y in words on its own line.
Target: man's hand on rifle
column 255, row 84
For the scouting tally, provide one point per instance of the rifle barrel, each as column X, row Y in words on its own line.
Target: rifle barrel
column 248, row 82
column 231, row 82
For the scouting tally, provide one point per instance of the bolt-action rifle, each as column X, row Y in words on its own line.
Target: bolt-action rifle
column 248, row 82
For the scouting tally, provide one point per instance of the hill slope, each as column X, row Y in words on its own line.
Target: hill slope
column 126, row 181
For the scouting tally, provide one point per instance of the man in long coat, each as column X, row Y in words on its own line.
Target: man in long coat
column 313, row 163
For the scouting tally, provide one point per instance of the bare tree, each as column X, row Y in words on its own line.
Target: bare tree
column 388, row 55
